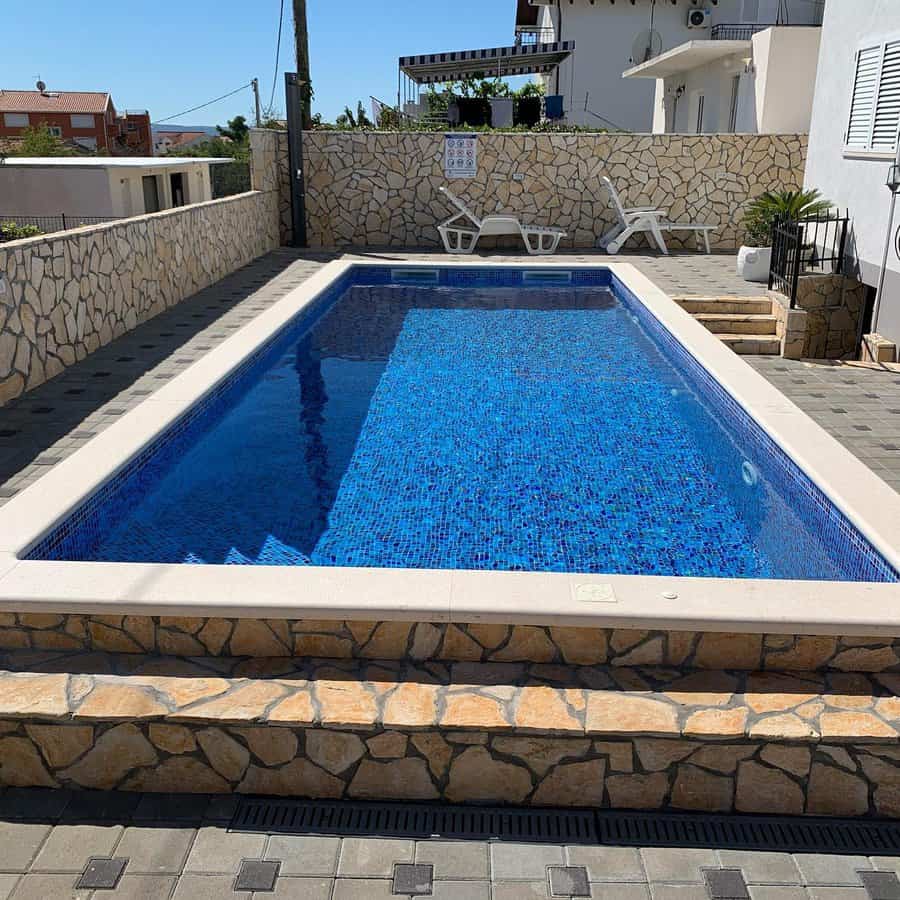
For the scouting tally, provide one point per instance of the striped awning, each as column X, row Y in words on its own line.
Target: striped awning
column 433, row 68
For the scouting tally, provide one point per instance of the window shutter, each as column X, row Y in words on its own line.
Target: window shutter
column 887, row 105
column 865, row 88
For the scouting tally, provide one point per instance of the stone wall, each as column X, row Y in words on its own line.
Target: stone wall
column 198, row 636
column 269, row 171
column 825, row 322
column 64, row 295
column 526, row 735
column 380, row 189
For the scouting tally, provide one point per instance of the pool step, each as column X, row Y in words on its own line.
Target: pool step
column 742, row 305
column 509, row 733
column 751, row 344
column 738, row 323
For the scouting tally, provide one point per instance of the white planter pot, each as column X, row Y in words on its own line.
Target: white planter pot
column 753, row 263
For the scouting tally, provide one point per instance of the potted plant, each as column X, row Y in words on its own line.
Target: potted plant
column 755, row 256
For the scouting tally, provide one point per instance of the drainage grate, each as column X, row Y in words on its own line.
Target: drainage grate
column 388, row 819
column 289, row 816
column 749, row 833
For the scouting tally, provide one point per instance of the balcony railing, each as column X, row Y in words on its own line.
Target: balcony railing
column 739, row 32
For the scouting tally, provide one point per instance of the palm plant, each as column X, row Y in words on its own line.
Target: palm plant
column 764, row 211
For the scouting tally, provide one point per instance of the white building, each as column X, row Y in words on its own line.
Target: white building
column 98, row 186
column 854, row 134
column 752, row 83
column 612, row 37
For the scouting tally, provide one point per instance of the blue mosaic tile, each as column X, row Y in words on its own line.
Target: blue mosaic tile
column 472, row 418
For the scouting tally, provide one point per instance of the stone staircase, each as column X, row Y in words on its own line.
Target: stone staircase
column 746, row 324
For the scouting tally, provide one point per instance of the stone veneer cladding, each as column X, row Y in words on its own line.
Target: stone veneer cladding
column 69, row 293
column 381, row 188
column 199, row 636
column 541, row 735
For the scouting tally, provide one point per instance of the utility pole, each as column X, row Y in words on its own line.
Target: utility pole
column 301, row 39
column 255, row 84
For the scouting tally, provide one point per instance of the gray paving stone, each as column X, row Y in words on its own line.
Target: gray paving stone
column 102, row 874
column 519, row 890
column 461, row 890
column 607, row 863
column 676, row 863
column 207, row 887
column 412, row 879
column 298, row 889
column 881, row 885
column 825, row 869
column 69, row 847
column 456, row 860
column 568, row 881
column 216, row 851
column 678, row 892
column 610, row 891
column 777, row 892
column 886, row 863
column 362, row 889
column 257, row 875
column 155, row 851
column 50, row 887
column 525, row 862
column 7, row 885
column 373, row 857
column 837, row 893
column 19, row 844
column 762, row 868
column 141, row 887
column 304, row 854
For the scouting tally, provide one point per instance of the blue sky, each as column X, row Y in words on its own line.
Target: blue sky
column 169, row 55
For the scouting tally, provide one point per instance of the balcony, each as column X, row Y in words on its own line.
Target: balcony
column 741, row 32
column 526, row 37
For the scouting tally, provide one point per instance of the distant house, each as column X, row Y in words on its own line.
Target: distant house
column 172, row 141
column 104, row 187
column 84, row 119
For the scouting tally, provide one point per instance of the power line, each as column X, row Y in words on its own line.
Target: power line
column 277, row 55
column 243, row 87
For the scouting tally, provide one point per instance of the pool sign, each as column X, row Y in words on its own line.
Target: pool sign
column 461, row 155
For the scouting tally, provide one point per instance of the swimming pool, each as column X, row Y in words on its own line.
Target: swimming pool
column 460, row 418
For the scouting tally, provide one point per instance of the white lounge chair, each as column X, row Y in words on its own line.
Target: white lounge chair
column 646, row 220
column 460, row 233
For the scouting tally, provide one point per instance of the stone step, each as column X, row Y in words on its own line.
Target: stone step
column 524, row 734
column 746, row 305
column 738, row 323
column 751, row 344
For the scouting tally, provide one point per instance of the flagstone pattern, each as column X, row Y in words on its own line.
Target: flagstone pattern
column 380, row 189
column 531, row 734
column 448, row 642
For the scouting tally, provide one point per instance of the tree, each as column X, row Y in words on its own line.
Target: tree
column 39, row 141
column 236, row 130
column 348, row 120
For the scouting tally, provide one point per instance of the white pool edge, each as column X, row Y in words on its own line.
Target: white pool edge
column 745, row 605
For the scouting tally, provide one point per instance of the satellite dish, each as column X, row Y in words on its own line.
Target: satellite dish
column 41, row 86
column 646, row 45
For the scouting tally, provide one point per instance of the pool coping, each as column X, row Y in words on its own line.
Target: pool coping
column 598, row 601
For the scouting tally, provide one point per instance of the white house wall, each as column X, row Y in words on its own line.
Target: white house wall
column 39, row 191
column 848, row 181
column 785, row 60
column 605, row 32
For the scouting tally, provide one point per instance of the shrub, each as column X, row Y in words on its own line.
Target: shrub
column 761, row 214
column 10, row 231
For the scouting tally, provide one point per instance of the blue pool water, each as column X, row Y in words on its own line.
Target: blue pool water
column 480, row 422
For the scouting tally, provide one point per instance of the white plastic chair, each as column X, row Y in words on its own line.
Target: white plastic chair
column 460, row 233
column 646, row 220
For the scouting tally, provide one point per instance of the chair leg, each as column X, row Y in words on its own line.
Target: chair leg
column 454, row 240
column 706, row 240
column 609, row 236
column 656, row 231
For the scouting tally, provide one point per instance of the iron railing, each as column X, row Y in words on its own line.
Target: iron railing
column 728, row 32
column 62, row 222
column 811, row 246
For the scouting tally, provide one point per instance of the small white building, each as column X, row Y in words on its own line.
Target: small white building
column 615, row 36
column 101, row 186
column 751, row 83
column 853, row 138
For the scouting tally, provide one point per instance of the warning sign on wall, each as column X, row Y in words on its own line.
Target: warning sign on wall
column 461, row 155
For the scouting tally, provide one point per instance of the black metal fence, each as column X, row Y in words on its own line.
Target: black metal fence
column 728, row 32
column 49, row 224
column 229, row 178
column 811, row 246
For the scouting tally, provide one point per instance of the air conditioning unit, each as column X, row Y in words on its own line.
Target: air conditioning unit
column 699, row 18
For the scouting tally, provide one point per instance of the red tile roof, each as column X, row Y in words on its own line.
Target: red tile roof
column 54, row 101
